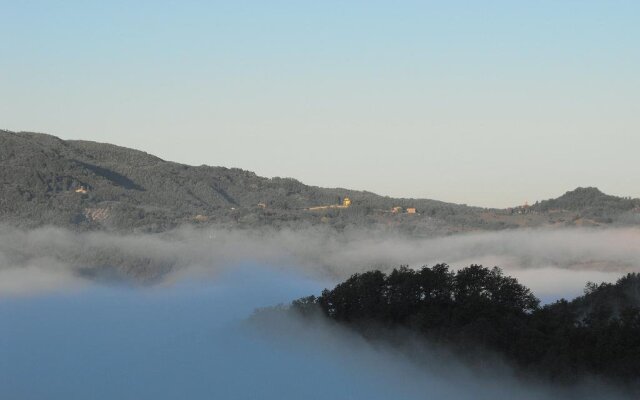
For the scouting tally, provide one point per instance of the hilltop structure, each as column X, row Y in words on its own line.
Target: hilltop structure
column 346, row 203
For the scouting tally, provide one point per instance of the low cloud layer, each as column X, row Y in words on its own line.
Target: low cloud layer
column 178, row 328
column 194, row 340
column 551, row 262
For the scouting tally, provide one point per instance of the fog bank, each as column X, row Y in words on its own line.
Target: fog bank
column 102, row 316
column 551, row 262
column 193, row 340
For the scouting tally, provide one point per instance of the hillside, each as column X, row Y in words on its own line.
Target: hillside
column 590, row 201
column 594, row 335
column 89, row 186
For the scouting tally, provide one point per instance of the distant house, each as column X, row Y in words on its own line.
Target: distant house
column 411, row 210
column 396, row 209
column 523, row 209
column 82, row 190
column 346, row 203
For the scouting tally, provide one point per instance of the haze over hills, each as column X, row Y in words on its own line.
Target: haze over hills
column 85, row 185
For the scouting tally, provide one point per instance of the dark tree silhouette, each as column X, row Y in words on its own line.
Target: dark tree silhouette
column 481, row 308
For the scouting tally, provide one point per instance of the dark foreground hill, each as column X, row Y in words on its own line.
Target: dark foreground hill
column 476, row 309
column 86, row 185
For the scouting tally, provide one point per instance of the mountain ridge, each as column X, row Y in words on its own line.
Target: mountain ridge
column 82, row 184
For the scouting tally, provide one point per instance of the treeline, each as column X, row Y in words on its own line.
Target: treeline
column 481, row 308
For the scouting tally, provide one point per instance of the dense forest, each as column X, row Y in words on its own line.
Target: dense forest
column 83, row 185
column 597, row 334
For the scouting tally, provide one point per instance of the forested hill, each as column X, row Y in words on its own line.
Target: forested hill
column 589, row 200
column 44, row 179
column 86, row 185
column 475, row 309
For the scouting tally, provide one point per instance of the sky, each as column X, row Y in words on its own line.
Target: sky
column 489, row 103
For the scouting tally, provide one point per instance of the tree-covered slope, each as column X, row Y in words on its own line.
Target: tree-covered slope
column 43, row 180
column 86, row 185
column 589, row 200
column 476, row 309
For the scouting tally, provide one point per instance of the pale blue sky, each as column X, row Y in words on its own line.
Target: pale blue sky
column 482, row 102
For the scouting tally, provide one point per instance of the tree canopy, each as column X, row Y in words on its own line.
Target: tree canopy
column 481, row 308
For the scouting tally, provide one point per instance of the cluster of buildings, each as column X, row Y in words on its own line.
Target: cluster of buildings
column 400, row 210
column 523, row 209
column 346, row 203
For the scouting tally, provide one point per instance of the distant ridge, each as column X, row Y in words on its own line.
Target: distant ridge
column 588, row 199
column 82, row 185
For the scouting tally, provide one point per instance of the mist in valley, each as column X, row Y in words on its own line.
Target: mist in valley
column 552, row 262
column 99, row 315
